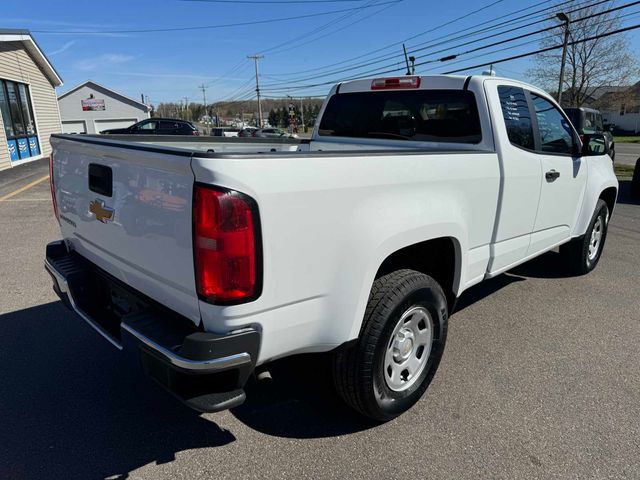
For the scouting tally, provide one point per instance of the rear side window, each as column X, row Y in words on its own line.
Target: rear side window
column 556, row 135
column 517, row 117
column 419, row 115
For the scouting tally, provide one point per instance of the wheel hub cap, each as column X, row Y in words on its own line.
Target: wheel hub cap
column 403, row 344
column 408, row 349
column 596, row 239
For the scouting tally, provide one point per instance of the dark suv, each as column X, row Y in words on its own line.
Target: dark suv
column 589, row 120
column 157, row 126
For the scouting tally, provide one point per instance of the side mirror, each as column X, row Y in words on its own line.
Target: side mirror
column 593, row 144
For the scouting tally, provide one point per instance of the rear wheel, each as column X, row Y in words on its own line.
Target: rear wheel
column 584, row 253
column 399, row 348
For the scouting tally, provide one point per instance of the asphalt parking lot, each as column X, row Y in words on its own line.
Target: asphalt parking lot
column 540, row 379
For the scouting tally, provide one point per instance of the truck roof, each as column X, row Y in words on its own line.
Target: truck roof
column 426, row 82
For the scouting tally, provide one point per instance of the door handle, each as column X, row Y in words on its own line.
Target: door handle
column 551, row 175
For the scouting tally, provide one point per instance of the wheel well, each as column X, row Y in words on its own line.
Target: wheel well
column 436, row 258
column 609, row 196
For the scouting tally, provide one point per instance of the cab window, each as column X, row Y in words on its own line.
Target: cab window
column 417, row 115
column 517, row 118
column 146, row 126
column 554, row 130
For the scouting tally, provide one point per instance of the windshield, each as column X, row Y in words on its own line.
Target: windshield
column 418, row 115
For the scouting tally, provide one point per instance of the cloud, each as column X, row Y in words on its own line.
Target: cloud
column 63, row 48
column 103, row 62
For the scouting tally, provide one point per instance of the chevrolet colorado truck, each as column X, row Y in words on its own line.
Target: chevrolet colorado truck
column 212, row 258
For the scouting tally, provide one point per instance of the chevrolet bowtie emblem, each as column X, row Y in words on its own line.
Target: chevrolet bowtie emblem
column 103, row 214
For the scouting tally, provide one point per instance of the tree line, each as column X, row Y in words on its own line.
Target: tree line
column 275, row 110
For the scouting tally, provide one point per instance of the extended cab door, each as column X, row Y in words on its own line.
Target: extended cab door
column 521, row 171
column 564, row 175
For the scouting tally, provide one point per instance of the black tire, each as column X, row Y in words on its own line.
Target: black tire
column 358, row 371
column 635, row 181
column 577, row 253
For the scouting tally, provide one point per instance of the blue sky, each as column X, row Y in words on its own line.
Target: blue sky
column 168, row 66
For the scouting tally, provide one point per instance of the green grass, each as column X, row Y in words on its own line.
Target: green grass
column 623, row 170
column 632, row 139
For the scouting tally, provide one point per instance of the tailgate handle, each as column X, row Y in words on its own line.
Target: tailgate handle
column 101, row 179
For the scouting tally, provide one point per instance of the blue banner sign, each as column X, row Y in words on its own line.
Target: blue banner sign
column 13, row 150
column 33, row 146
column 23, row 148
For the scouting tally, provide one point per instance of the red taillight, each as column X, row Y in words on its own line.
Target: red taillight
column 52, row 185
column 224, row 245
column 395, row 83
column 196, row 133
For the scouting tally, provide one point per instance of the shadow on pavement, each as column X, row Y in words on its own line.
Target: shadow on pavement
column 71, row 406
column 297, row 400
column 547, row 265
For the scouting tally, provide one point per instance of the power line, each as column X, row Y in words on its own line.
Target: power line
column 326, row 26
column 208, row 27
column 390, row 45
column 548, row 49
column 377, row 71
column 431, row 43
column 268, row 2
column 235, row 69
column 487, row 27
column 436, row 60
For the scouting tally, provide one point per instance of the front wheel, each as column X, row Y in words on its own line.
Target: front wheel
column 399, row 348
column 583, row 254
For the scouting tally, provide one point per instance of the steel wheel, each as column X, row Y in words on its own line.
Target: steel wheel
column 596, row 239
column 408, row 349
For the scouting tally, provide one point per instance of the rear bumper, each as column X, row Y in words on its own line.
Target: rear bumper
column 204, row 370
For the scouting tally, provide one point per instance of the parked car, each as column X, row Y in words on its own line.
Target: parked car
column 588, row 121
column 224, row 132
column 156, row 126
column 272, row 133
column 247, row 132
column 213, row 261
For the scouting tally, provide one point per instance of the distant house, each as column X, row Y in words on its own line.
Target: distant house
column 28, row 107
column 92, row 108
column 622, row 108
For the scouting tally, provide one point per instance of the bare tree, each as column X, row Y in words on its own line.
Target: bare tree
column 590, row 65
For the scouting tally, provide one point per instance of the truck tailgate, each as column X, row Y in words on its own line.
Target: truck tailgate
column 128, row 210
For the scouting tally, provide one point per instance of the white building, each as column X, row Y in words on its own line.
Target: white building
column 92, row 108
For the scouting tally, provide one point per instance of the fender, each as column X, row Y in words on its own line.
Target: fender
column 398, row 242
column 600, row 176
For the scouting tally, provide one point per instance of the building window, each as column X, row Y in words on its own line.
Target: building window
column 18, row 119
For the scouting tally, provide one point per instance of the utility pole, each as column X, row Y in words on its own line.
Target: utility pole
column 255, row 58
column 406, row 59
column 186, row 108
column 204, row 101
column 563, row 17
column 302, row 115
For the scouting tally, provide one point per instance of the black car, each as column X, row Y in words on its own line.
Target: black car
column 589, row 120
column 156, row 126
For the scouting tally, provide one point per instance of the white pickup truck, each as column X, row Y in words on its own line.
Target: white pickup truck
column 214, row 257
